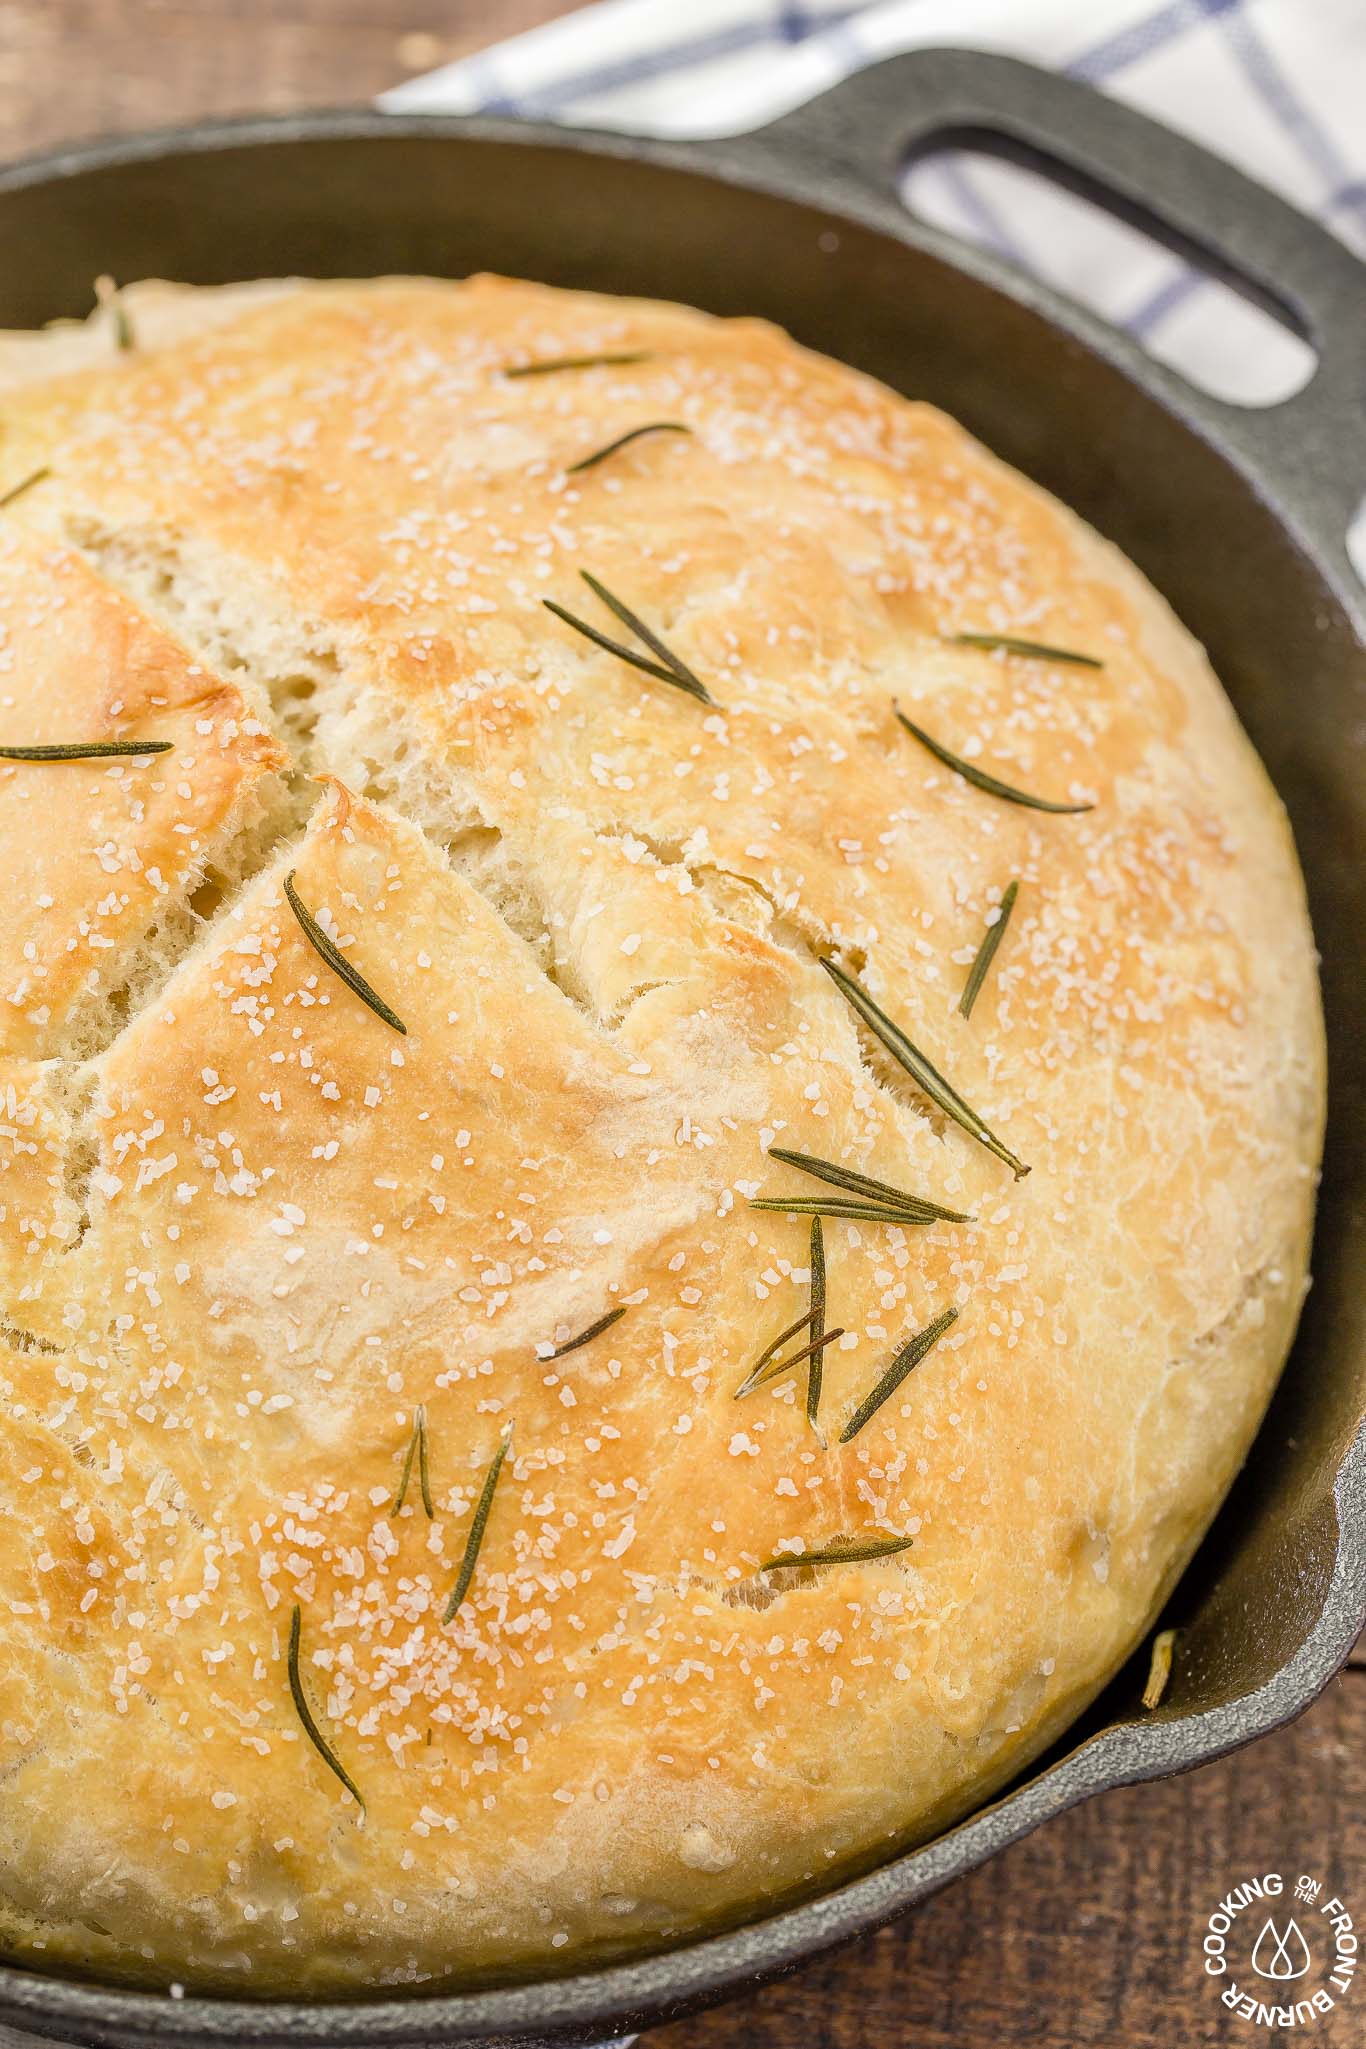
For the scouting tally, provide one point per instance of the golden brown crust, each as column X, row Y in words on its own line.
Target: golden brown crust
column 104, row 844
column 106, row 854
column 598, row 908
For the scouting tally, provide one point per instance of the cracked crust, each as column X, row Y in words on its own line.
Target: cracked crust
column 246, row 1228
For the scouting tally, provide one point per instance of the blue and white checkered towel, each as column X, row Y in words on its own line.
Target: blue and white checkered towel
column 1278, row 86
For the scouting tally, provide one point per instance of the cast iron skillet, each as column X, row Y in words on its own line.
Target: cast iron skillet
column 1237, row 516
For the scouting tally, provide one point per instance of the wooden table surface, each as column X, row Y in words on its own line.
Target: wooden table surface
column 1087, row 1934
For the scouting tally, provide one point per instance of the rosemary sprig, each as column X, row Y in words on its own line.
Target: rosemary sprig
column 633, row 623
column 781, row 1366
column 769, row 1367
column 305, row 1713
column 424, row 1477
column 979, row 778
column 911, row 1354
column 613, row 647
column 1032, row 650
column 820, row 1338
column 417, row 1445
column 667, row 667
column 477, row 1527
column 853, row 1209
column 839, row 1554
column 85, row 750
column 594, row 1330
column 336, row 959
column 407, row 1472
column 864, row 1185
column 921, row 1071
column 1159, row 1667
column 679, row 671
column 110, row 300
column 986, row 952
column 590, row 462
column 546, row 366
column 627, row 654
column 757, row 1374
column 37, row 476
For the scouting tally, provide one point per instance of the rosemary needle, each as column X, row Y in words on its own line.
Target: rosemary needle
column 839, row 1554
column 594, row 1330
column 911, row 1354
column 1032, row 650
column 978, row 777
column 864, row 1185
column 757, row 1375
column 547, row 365
column 336, row 959
column 780, row 1366
column 424, row 1477
column 1159, row 1667
column 820, row 1337
column 37, row 476
column 853, row 1209
column 110, row 301
column 590, row 462
column 476, row 1536
column 613, row 647
column 986, row 952
column 311, row 1729
column 85, row 750
column 407, row 1472
column 658, row 648
column 921, row 1071
column 417, row 1445
column 667, row 669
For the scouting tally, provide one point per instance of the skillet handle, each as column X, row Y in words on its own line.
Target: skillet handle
column 1306, row 454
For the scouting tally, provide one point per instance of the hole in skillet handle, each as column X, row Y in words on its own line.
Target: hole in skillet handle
column 1189, row 307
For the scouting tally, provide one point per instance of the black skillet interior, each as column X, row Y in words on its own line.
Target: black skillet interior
column 1237, row 517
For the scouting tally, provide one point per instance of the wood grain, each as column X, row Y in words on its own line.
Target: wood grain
column 72, row 69
column 1085, row 1936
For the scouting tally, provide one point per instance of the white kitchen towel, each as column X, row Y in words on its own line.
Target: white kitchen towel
column 1277, row 86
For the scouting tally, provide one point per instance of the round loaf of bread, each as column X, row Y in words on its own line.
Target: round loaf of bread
column 625, row 842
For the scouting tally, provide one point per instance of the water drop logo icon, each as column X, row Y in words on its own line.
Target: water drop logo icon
column 1281, row 1955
